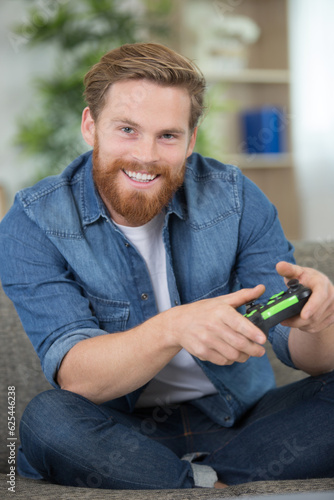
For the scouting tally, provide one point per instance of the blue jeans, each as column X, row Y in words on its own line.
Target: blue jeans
column 289, row 434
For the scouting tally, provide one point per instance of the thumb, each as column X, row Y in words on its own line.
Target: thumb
column 289, row 271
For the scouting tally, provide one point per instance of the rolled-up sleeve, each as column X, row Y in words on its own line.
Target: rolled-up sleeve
column 54, row 311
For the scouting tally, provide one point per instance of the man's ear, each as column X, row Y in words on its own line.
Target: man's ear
column 88, row 127
column 192, row 142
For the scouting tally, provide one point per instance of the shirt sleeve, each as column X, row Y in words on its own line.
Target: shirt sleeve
column 51, row 305
column 262, row 244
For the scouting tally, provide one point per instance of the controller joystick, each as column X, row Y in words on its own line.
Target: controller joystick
column 293, row 284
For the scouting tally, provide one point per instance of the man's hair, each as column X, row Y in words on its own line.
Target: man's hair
column 148, row 61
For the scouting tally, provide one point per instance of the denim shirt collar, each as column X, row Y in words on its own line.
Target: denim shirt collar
column 92, row 207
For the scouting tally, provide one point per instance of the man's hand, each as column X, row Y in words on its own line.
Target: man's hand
column 212, row 329
column 318, row 312
column 311, row 341
column 110, row 366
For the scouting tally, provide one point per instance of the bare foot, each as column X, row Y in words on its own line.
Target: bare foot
column 219, row 485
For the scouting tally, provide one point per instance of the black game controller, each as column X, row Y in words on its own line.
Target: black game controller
column 279, row 307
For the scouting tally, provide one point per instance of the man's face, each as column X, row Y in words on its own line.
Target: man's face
column 141, row 141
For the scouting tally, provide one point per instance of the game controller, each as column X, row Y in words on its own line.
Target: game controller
column 279, row 307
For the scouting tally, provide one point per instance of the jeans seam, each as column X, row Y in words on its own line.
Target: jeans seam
column 187, row 429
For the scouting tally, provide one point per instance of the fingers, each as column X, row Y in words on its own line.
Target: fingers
column 318, row 312
column 214, row 331
column 237, row 322
column 226, row 345
column 243, row 296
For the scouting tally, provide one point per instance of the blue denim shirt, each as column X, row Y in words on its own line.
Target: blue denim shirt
column 72, row 274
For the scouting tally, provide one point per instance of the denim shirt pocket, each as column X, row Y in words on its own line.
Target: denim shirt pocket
column 112, row 315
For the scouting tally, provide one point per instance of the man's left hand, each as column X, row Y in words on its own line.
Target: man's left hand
column 318, row 312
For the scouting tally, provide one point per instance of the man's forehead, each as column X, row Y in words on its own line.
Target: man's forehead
column 126, row 97
column 136, row 91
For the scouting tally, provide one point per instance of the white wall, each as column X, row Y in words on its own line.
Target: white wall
column 312, row 67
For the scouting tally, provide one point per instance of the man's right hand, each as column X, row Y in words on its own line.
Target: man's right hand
column 109, row 366
column 212, row 329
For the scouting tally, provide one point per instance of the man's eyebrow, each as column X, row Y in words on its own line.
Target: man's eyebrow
column 176, row 131
column 127, row 121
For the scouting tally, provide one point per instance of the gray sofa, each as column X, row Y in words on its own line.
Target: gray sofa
column 19, row 367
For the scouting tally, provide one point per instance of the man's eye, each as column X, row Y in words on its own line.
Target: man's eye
column 168, row 136
column 127, row 130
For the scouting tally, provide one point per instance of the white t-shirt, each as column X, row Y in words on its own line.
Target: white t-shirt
column 181, row 379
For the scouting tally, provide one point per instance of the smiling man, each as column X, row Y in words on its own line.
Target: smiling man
column 130, row 271
column 139, row 155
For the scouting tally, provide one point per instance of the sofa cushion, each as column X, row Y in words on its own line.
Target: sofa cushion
column 41, row 490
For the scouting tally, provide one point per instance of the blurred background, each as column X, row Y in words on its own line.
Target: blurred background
column 270, row 75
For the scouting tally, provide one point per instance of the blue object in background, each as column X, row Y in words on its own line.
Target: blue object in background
column 264, row 130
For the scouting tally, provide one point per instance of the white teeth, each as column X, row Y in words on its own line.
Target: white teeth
column 137, row 176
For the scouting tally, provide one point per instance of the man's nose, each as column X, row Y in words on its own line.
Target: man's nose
column 146, row 151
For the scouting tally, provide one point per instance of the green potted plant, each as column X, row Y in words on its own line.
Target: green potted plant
column 80, row 32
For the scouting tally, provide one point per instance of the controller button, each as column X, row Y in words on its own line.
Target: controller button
column 250, row 306
column 276, row 296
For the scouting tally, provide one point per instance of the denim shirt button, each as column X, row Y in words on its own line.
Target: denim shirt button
column 127, row 244
column 144, row 296
column 176, row 302
column 227, row 418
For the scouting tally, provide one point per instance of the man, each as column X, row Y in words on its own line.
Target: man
column 130, row 271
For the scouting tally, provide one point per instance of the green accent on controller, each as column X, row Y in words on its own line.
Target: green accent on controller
column 279, row 307
column 273, row 297
column 248, row 315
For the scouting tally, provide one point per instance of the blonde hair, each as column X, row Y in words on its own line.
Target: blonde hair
column 148, row 61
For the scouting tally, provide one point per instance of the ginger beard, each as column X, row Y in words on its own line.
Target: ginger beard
column 136, row 206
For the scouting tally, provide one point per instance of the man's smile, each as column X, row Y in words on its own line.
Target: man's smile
column 140, row 177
